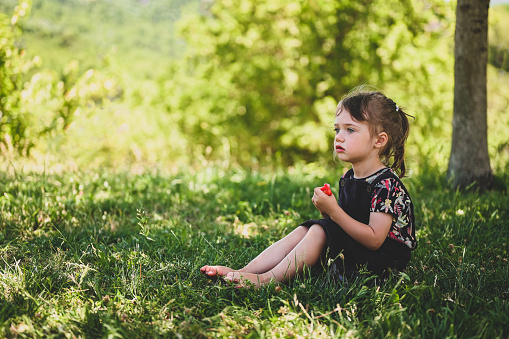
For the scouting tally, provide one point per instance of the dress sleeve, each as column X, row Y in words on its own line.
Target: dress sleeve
column 388, row 197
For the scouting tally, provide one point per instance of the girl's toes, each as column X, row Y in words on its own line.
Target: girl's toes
column 230, row 277
column 209, row 271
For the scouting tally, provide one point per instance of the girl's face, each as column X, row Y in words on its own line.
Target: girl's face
column 353, row 142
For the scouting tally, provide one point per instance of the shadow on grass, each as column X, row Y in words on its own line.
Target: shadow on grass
column 105, row 254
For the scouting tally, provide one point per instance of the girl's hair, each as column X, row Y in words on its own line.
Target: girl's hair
column 383, row 115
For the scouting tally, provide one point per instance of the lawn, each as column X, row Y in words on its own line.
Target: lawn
column 117, row 254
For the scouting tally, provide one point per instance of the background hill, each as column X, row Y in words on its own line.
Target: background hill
column 138, row 34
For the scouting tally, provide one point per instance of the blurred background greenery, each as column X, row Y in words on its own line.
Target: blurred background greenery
column 167, row 84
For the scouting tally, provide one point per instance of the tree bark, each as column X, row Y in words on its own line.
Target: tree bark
column 469, row 162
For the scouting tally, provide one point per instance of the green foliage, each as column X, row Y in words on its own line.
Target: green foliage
column 498, row 54
column 54, row 100
column 272, row 72
column 116, row 254
column 258, row 83
column 13, row 67
column 35, row 103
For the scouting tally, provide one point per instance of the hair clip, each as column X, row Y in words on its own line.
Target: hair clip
column 397, row 108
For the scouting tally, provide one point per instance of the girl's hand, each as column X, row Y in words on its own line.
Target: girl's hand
column 323, row 202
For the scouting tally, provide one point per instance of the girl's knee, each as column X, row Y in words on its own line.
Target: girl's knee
column 301, row 231
column 317, row 228
column 317, row 231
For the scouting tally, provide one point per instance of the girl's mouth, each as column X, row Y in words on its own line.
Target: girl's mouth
column 339, row 149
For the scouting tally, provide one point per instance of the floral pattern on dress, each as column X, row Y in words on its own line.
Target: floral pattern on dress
column 390, row 197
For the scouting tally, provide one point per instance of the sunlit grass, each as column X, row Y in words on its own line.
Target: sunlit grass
column 104, row 253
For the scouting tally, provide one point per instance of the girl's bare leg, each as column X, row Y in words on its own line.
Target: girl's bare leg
column 266, row 260
column 276, row 252
column 306, row 252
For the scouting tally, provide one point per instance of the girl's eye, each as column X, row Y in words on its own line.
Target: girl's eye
column 348, row 130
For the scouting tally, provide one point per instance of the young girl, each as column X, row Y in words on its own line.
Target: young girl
column 372, row 222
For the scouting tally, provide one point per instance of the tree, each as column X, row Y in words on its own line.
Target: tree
column 469, row 161
column 264, row 77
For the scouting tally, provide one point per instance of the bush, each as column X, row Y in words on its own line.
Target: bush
column 35, row 103
column 13, row 69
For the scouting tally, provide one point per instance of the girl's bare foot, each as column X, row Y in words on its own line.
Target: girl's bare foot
column 247, row 279
column 215, row 271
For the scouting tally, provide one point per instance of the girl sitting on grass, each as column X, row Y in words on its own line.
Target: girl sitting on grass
column 372, row 222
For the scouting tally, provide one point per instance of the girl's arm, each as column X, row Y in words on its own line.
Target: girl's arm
column 371, row 235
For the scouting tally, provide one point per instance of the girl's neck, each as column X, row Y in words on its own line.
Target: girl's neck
column 363, row 170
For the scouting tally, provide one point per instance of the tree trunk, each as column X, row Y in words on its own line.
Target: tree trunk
column 469, row 162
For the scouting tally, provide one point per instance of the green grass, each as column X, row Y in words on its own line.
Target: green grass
column 92, row 254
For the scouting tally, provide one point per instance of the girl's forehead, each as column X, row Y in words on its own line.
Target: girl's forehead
column 344, row 116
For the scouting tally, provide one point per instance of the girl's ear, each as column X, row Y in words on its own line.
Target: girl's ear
column 381, row 140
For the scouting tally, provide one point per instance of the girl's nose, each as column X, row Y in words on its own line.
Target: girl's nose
column 339, row 137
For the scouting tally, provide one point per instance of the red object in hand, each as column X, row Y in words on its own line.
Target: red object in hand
column 326, row 189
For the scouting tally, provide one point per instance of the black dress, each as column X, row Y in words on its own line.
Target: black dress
column 355, row 196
